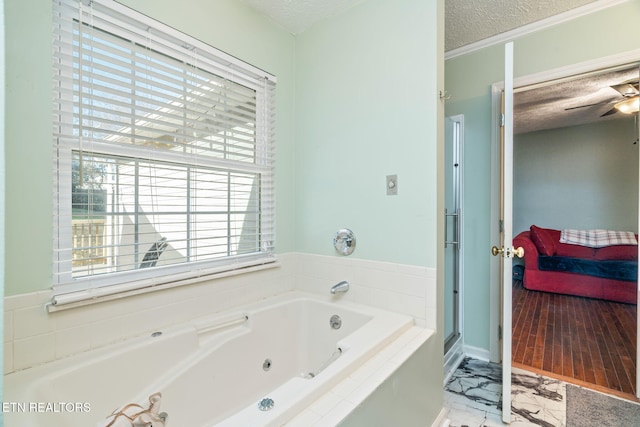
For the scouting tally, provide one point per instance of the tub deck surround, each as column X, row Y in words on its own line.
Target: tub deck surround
column 33, row 336
column 214, row 370
column 334, row 406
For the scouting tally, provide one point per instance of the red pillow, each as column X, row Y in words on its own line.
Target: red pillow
column 617, row 252
column 545, row 240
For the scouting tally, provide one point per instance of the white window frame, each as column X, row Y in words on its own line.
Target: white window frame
column 175, row 44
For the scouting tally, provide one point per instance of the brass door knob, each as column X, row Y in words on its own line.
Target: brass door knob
column 509, row 253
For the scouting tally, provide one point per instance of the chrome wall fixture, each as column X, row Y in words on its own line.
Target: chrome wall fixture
column 344, row 241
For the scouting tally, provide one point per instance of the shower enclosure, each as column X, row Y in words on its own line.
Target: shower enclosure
column 453, row 241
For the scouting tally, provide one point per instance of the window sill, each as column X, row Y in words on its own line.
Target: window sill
column 85, row 297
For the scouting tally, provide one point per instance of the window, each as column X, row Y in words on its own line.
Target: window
column 163, row 150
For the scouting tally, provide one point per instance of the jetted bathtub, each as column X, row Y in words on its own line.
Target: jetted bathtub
column 259, row 365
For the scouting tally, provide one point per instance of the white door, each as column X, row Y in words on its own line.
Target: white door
column 638, row 302
column 505, row 251
column 506, row 195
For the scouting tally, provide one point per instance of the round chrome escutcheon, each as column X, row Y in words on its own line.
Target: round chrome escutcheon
column 344, row 242
column 335, row 321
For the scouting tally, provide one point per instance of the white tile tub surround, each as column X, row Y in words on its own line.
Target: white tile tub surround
column 405, row 289
column 33, row 336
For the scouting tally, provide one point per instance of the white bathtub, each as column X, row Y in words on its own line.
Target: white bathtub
column 211, row 372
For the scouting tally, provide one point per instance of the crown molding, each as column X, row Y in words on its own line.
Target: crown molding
column 551, row 21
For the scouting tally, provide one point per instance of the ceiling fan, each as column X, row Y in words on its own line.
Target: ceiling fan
column 628, row 104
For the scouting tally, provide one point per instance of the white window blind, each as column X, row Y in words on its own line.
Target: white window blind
column 163, row 151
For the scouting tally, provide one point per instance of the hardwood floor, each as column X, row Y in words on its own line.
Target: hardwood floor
column 590, row 340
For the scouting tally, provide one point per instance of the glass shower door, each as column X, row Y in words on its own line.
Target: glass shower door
column 452, row 276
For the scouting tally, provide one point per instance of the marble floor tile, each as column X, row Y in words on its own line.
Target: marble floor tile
column 461, row 412
column 473, row 397
column 478, row 384
column 537, row 399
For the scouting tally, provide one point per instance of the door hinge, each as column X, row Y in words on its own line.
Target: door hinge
column 502, row 119
column 501, row 226
column 500, row 332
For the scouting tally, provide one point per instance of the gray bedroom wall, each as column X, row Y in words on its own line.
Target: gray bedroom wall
column 577, row 177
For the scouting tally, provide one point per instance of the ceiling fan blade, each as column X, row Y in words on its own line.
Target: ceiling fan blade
column 627, row 89
column 587, row 105
column 584, row 106
column 610, row 112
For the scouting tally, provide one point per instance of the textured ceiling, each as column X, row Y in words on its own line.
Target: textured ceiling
column 468, row 21
column 574, row 101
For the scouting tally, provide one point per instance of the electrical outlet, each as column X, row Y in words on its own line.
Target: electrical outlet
column 392, row 185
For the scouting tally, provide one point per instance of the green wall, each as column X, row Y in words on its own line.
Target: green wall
column 356, row 101
column 582, row 177
column 468, row 80
column 366, row 108
column 28, row 146
column 228, row 25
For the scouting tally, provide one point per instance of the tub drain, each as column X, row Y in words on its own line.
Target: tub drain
column 266, row 404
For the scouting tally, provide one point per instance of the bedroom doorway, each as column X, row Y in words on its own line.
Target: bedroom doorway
column 546, row 80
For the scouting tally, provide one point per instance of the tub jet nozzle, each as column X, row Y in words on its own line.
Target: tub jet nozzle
column 266, row 404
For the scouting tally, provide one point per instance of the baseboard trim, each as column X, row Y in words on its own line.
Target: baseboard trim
column 477, row 353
